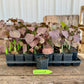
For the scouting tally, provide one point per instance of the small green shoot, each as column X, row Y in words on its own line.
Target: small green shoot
column 34, row 51
column 10, row 47
column 15, row 49
column 63, row 24
column 18, row 46
column 6, row 51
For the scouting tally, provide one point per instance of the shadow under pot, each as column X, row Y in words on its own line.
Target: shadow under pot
column 10, row 58
column 50, row 56
column 67, row 58
column 57, row 58
column 19, row 58
column 28, row 58
column 42, row 62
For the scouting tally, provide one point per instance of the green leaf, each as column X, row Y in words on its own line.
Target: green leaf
column 15, row 49
column 34, row 51
column 63, row 24
column 6, row 51
column 18, row 46
column 66, row 27
column 10, row 46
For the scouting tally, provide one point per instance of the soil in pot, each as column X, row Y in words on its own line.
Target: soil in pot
column 28, row 57
column 67, row 57
column 42, row 62
column 57, row 57
column 11, row 58
column 19, row 58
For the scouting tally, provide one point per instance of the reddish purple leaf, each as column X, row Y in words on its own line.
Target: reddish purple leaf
column 29, row 38
column 14, row 34
column 65, row 34
column 42, row 40
column 41, row 30
column 2, row 24
column 31, row 28
column 31, row 50
column 54, row 34
column 76, row 38
column 47, row 50
column 22, row 30
column 24, row 48
column 34, row 43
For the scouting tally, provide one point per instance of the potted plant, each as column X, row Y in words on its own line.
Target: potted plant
column 57, row 56
column 74, row 36
column 28, row 54
column 67, row 55
column 42, row 62
column 18, row 54
column 9, row 56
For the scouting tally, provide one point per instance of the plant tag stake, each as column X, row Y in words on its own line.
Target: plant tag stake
column 41, row 71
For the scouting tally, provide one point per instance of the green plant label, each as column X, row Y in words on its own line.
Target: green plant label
column 42, row 71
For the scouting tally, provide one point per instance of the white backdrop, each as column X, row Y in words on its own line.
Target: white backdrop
column 35, row 10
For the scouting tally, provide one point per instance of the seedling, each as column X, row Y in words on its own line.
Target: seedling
column 10, row 46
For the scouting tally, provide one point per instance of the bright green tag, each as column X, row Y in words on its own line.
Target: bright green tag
column 41, row 71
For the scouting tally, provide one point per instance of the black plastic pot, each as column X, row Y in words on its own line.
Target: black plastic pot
column 57, row 57
column 10, row 57
column 67, row 57
column 28, row 57
column 74, row 54
column 19, row 58
column 42, row 63
column 50, row 56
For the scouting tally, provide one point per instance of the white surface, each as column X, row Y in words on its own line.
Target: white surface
column 35, row 10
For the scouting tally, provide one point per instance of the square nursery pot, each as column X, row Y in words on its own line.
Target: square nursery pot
column 10, row 58
column 57, row 57
column 42, row 63
column 77, row 62
column 19, row 58
column 50, row 56
column 67, row 58
column 36, row 56
column 74, row 54
column 28, row 57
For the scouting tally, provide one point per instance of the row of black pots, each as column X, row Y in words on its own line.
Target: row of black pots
column 20, row 58
column 50, row 57
column 43, row 63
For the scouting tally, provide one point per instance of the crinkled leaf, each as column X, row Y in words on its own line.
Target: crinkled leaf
column 65, row 34
column 22, row 30
column 41, row 30
column 29, row 38
column 14, row 34
column 47, row 50
column 31, row 28
column 34, row 43
column 76, row 38
column 42, row 40
column 54, row 34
